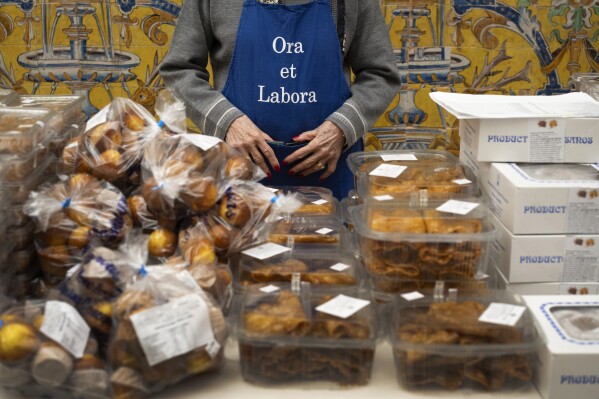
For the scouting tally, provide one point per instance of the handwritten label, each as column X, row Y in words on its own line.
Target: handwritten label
column 343, row 306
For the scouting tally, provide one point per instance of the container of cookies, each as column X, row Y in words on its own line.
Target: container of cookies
column 396, row 173
column 8, row 97
column 65, row 109
column 311, row 232
column 24, row 130
column 312, row 265
column 447, row 341
column 412, row 244
column 288, row 336
column 316, row 201
column 18, row 191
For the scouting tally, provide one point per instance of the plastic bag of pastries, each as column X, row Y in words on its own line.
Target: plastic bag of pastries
column 47, row 350
column 70, row 214
column 246, row 208
column 165, row 330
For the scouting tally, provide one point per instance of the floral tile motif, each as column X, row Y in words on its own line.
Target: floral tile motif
column 479, row 46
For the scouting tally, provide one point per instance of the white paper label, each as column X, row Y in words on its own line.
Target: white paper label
column 582, row 211
column 73, row 270
column 399, row 157
column 269, row 289
column 462, row 182
column 581, row 259
column 339, row 267
column 212, row 348
column 324, row 231
column 388, row 170
column 457, row 207
column 274, row 190
column 385, row 197
column 547, row 140
column 63, row 324
column 173, row 329
column 202, row 141
column 320, row 202
column 343, row 306
column 502, row 313
column 412, row 296
column 266, row 251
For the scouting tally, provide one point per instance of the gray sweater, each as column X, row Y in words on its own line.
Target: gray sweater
column 208, row 28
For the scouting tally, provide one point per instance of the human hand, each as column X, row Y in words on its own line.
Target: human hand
column 248, row 139
column 323, row 151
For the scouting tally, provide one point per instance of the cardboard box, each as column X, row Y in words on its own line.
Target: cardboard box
column 581, row 289
column 545, row 199
column 544, row 258
column 480, row 169
column 539, row 140
column 568, row 363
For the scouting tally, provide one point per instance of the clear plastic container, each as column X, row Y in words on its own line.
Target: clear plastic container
column 439, row 343
column 9, row 97
column 411, row 245
column 315, row 266
column 18, row 191
column 315, row 232
column 316, row 201
column 65, row 109
column 18, row 167
column 23, row 259
column 586, row 83
column 16, row 215
column 405, row 172
column 24, row 130
column 75, row 129
column 283, row 338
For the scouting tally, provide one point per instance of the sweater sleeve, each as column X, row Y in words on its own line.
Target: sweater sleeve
column 376, row 81
column 184, row 70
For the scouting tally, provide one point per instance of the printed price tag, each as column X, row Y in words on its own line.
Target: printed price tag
column 399, row 157
column 412, row 296
column 343, row 306
column 388, row 170
column 324, row 231
column 63, row 324
column 272, row 189
column 457, row 207
column 320, row 202
column 266, row 251
column 502, row 313
column 461, row 182
column 385, row 197
column 269, row 289
column 212, row 348
column 339, row 267
column 173, row 329
column 202, row 141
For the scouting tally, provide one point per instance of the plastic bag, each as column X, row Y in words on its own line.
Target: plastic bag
column 72, row 213
column 39, row 357
column 166, row 329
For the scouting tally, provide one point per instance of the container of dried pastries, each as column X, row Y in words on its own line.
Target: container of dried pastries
column 315, row 201
column 65, row 109
column 306, row 334
column 9, row 97
column 273, row 263
column 401, row 173
column 447, row 341
column 20, row 166
column 18, row 190
column 66, row 135
column 411, row 244
column 23, row 130
column 311, row 232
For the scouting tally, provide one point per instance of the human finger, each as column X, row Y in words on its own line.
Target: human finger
column 317, row 167
column 306, row 136
column 269, row 154
column 307, row 163
column 259, row 160
column 331, row 166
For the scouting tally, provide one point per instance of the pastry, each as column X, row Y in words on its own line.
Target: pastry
column 18, row 341
column 162, row 243
column 128, row 384
column 98, row 316
column 199, row 193
column 234, row 209
column 89, row 378
column 201, row 252
column 79, row 237
column 52, row 365
column 238, row 167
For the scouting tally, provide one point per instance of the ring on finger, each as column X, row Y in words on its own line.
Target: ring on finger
column 320, row 165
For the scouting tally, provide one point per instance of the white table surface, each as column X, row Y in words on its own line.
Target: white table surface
column 228, row 384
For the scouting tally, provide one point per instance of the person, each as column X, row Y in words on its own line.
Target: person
column 281, row 71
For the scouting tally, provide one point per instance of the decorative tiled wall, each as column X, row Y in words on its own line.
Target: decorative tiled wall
column 104, row 49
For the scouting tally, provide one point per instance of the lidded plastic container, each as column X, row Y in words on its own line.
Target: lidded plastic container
column 316, row 201
column 312, row 265
column 8, row 97
column 447, row 341
column 24, row 130
column 412, row 244
column 312, row 232
column 288, row 335
column 396, row 173
column 586, row 83
column 65, row 109
column 19, row 190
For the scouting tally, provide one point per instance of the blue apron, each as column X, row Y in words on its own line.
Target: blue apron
column 286, row 75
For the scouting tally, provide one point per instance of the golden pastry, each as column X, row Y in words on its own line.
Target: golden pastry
column 79, row 238
column 239, row 167
column 234, row 209
column 200, row 193
column 18, row 341
column 162, row 243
